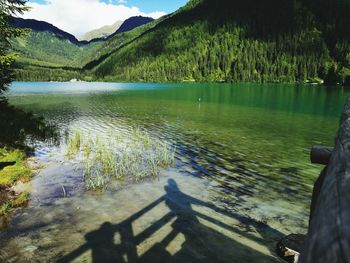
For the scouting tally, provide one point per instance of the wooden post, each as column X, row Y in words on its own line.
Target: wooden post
column 321, row 154
column 328, row 238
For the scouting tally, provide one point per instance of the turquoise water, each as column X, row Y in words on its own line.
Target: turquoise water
column 253, row 139
column 249, row 142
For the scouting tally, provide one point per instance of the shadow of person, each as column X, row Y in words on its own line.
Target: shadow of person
column 192, row 241
column 194, row 235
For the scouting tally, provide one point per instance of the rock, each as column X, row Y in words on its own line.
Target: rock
column 289, row 247
column 21, row 187
column 30, row 249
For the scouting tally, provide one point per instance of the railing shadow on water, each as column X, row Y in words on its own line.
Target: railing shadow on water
column 201, row 243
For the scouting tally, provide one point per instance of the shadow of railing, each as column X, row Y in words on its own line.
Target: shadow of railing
column 200, row 243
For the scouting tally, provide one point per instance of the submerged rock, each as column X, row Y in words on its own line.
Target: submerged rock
column 30, row 249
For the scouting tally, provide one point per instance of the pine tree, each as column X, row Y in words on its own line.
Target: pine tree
column 8, row 8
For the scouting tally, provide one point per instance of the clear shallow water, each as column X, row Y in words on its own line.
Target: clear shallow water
column 243, row 147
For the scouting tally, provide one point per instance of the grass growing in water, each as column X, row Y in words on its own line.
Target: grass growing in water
column 134, row 157
column 74, row 144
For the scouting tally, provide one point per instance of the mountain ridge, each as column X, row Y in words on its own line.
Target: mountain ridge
column 102, row 32
column 42, row 26
column 131, row 23
column 45, row 56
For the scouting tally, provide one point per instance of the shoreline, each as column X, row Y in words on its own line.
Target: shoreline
column 15, row 182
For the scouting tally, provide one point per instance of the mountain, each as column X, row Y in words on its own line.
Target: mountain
column 48, row 46
column 235, row 40
column 102, row 32
column 48, row 53
column 131, row 23
column 217, row 40
column 41, row 26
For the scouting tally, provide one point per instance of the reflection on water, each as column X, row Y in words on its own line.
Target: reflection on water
column 18, row 127
column 251, row 142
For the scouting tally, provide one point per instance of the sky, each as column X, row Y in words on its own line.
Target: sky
column 80, row 16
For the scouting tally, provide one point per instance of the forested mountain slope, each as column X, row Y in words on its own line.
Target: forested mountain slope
column 42, row 26
column 235, row 40
column 48, row 53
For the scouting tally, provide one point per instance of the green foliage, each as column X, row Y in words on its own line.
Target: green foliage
column 240, row 41
column 45, row 57
column 344, row 76
column 21, row 199
column 207, row 40
column 118, row 41
column 48, row 48
column 5, row 208
column 18, row 172
column 7, row 9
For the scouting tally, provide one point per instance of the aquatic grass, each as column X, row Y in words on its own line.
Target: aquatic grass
column 74, row 144
column 94, row 175
column 87, row 167
column 95, row 182
column 134, row 157
column 172, row 156
column 145, row 140
column 87, row 149
column 153, row 164
column 109, row 163
column 165, row 155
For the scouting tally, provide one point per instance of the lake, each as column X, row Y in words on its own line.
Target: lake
column 242, row 177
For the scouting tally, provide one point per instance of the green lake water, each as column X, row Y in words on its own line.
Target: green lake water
column 246, row 146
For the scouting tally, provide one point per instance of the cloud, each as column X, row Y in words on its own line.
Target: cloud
column 80, row 16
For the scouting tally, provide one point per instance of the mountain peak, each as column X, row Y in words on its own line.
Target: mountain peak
column 133, row 22
column 102, row 32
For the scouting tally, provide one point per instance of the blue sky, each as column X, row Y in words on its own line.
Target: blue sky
column 80, row 16
column 148, row 6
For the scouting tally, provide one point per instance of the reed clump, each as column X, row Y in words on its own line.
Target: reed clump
column 134, row 157
column 74, row 144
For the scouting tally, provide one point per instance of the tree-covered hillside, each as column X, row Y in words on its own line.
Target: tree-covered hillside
column 234, row 40
column 47, row 49
column 47, row 54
